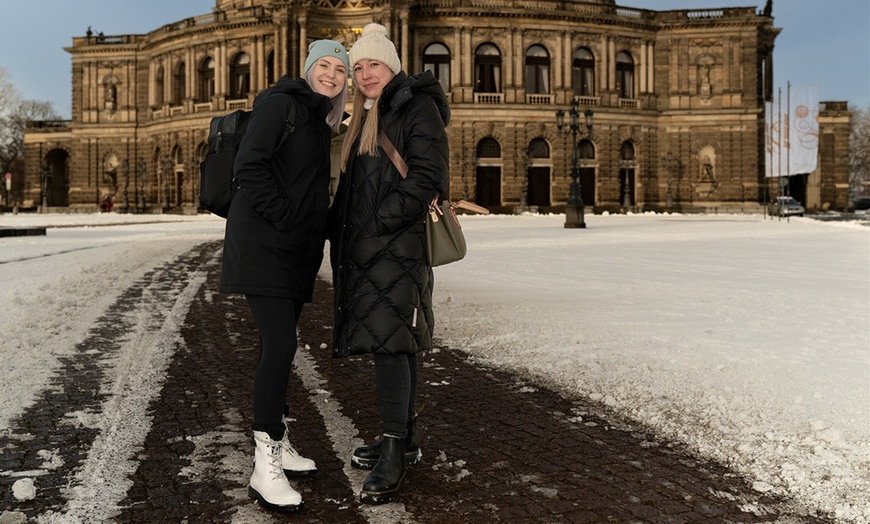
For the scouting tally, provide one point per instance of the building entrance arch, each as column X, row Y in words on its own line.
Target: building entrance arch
column 55, row 183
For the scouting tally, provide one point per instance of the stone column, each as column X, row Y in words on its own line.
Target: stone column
column 303, row 41
column 604, row 82
column 643, row 69
column 406, row 44
column 221, row 70
column 190, row 71
column 152, row 84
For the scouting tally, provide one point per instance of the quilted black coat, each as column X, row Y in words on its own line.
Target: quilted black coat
column 383, row 283
column 275, row 229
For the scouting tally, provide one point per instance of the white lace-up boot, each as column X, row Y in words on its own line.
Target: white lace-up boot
column 294, row 464
column 269, row 486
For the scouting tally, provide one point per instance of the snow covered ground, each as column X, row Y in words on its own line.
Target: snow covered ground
column 746, row 337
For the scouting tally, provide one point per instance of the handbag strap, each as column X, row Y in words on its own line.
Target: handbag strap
column 399, row 162
column 394, row 155
column 468, row 206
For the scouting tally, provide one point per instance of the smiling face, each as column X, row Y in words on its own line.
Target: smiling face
column 371, row 76
column 330, row 76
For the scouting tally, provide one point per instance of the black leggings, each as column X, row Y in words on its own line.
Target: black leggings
column 396, row 377
column 276, row 319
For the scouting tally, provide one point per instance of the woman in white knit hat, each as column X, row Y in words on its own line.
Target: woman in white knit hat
column 274, row 245
column 382, row 280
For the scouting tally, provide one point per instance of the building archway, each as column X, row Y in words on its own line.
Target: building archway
column 488, row 173
column 177, row 199
column 55, row 183
column 539, row 180
column 586, row 151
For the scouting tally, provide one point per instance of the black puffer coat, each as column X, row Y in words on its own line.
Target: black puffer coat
column 383, row 283
column 275, row 228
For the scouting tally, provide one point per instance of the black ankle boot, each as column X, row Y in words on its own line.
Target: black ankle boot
column 366, row 457
column 383, row 483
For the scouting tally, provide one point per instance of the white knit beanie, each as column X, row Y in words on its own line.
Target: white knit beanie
column 374, row 45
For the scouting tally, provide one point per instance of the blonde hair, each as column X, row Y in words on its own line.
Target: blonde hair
column 336, row 114
column 365, row 127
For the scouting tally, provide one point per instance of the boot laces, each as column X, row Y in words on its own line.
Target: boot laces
column 275, row 469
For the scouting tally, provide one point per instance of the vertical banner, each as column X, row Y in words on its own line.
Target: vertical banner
column 791, row 135
column 803, row 130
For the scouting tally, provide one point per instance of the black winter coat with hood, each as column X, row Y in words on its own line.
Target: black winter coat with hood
column 382, row 280
column 275, row 227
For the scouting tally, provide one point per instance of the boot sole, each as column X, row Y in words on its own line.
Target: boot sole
column 289, row 508
column 381, row 497
column 411, row 459
column 294, row 473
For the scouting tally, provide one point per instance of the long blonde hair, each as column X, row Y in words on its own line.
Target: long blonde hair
column 360, row 123
column 336, row 114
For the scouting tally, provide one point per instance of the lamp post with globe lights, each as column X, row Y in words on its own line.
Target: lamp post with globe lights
column 574, row 205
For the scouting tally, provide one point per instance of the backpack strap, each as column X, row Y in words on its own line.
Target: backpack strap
column 290, row 122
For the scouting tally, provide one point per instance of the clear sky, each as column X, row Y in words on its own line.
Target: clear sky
column 826, row 46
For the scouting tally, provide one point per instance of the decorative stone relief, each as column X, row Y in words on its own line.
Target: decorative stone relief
column 705, row 182
column 705, row 65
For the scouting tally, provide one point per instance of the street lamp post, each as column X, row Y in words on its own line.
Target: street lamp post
column 140, row 184
column 574, row 206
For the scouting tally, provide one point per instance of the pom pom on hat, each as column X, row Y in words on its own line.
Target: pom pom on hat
column 375, row 45
column 321, row 48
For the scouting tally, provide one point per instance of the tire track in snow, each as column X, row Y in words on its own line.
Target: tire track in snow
column 103, row 480
column 109, row 379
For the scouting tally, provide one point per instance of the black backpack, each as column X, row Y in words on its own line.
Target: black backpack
column 218, row 183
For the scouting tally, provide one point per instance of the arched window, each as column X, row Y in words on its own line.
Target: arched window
column 179, row 84
column 178, row 155
column 539, row 148
column 270, row 68
column 586, row 150
column 537, row 70
column 487, row 69
column 201, row 151
column 206, row 80
column 626, row 152
column 240, row 76
column 625, row 75
column 436, row 58
column 583, row 72
column 158, row 87
column 488, row 148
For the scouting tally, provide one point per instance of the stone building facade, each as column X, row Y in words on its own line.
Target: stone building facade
column 676, row 100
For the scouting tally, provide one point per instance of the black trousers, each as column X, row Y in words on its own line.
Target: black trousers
column 396, row 378
column 276, row 319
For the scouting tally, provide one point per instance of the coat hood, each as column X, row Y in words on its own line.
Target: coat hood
column 402, row 88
